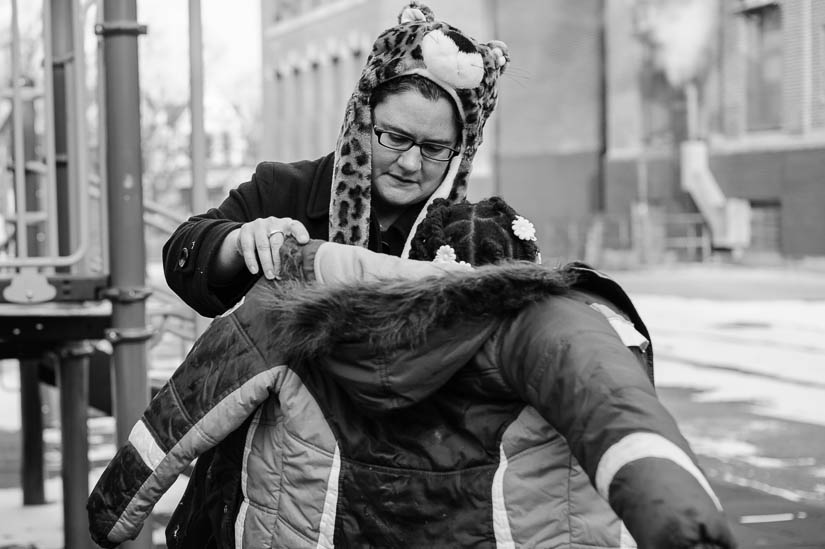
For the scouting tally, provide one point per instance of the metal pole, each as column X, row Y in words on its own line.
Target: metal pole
column 35, row 236
column 73, row 381
column 600, row 198
column 21, row 232
column 31, row 413
column 49, row 147
column 31, row 403
column 62, row 28
column 198, row 139
column 127, row 252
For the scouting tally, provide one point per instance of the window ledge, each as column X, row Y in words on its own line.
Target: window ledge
column 767, row 141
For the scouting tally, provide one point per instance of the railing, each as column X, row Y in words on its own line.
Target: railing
column 41, row 209
column 727, row 217
column 625, row 241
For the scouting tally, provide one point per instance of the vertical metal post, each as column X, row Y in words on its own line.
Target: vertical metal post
column 62, row 28
column 31, row 404
column 600, row 198
column 73, row 383
column 35, row 235
column 119, row 30
column 198, row 138
column 31, row 414
column 49, row 147
column 21, row 232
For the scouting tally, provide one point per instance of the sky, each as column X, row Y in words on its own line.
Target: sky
column 231, row 49
column 231, row 56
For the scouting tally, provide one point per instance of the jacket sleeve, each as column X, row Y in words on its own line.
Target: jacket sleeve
column 202, row 403
column 338, row 263
column 565, row 359
column 275, row 189
column 331, row 263
column 194, row 244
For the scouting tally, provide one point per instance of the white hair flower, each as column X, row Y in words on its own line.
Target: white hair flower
column 523, row 229
column 445, row 254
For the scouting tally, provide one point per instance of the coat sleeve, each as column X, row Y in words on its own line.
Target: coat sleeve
column 331, row 263
column 565, row 359
column 202, row 403
column 275, row 189
column 194, row 244
column 338, row 263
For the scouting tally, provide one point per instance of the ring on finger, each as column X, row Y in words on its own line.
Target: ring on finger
column 276, row 231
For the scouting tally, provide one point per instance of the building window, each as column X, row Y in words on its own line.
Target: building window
column 288, row 9
column 763, row 66
column 766, row 226
column 819, row 66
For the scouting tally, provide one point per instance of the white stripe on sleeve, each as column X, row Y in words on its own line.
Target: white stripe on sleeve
column 638, row 446
column 143, row 441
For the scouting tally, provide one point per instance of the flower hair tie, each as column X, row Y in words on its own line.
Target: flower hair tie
column 446, row 254
column 524, row 229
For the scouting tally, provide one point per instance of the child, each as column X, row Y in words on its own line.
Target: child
column 395, row 403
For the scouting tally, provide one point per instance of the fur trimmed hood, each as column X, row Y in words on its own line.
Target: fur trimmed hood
column 313, row 320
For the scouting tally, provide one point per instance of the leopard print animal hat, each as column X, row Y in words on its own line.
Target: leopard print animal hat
column 467, row 70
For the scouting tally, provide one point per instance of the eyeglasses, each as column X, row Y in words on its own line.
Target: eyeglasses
column 402, row 143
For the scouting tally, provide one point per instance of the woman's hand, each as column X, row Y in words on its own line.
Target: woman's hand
column 259, row 241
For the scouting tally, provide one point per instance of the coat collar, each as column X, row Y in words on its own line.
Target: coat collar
column 384, row 316
column 319, row 194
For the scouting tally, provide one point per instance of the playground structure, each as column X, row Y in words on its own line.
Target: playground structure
column 73, row 291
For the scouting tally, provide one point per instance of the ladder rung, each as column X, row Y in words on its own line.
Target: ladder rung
column 36, row 166
column 28, row 217
column 26, row 93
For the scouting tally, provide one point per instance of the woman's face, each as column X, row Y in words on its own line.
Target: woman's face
column 400, row 179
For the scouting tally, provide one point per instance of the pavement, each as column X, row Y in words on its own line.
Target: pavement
column 739, row 364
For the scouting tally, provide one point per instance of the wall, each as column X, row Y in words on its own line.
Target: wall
column 549, row 119
column 784, row 167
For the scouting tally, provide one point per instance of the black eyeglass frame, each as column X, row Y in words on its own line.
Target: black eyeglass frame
column 379, row 132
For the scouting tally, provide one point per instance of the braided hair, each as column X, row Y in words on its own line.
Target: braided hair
column 481, row 233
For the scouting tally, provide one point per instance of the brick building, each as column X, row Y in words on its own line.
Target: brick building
column 762, row 112
column 582, row 120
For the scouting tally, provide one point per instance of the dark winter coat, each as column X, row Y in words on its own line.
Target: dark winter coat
column 471, row 409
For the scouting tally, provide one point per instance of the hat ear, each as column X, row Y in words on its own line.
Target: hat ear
column 415, row 12
column 501, row 53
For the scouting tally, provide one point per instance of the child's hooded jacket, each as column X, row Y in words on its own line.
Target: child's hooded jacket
column 498, row 407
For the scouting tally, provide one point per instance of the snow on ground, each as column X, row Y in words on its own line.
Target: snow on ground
column 790, row 401
column 769, row 352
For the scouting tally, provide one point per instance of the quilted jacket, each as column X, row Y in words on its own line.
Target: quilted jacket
column 498, row 407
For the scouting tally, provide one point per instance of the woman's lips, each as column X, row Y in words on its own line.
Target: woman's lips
column 404, row 180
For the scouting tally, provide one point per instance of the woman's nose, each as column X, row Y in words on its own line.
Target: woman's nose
column 410, row 160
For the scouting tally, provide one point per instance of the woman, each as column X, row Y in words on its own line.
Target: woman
column 392, row 403
column 409, row 135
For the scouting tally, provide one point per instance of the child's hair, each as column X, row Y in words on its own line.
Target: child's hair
column 480, row 233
